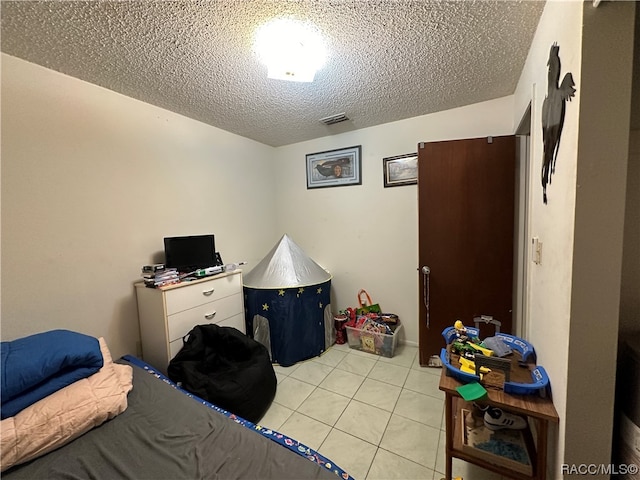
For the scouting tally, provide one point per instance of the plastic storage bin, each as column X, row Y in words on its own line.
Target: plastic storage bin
column 376, row 343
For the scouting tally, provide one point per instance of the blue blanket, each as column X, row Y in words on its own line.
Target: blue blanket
column 36, row 366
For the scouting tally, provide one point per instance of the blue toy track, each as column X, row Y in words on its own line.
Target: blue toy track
column 539, row 377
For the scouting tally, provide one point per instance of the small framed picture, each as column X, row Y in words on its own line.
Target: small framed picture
column 334, row 168
column 400, row 170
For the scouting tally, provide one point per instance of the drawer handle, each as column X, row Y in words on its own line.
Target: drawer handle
column 209, row 316
column 208, row 292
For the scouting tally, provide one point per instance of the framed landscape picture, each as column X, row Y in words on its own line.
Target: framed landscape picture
column 400, row 170
column 334, row 168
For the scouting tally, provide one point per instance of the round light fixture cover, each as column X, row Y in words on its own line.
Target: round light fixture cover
column 291, row 49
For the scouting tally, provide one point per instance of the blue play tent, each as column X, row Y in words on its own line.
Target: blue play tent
column 288, row 305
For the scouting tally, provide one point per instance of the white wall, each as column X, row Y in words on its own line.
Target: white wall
column 367, row 235
column 93, row 180
column 549, row 292
column 91, row 183
column 573, row 294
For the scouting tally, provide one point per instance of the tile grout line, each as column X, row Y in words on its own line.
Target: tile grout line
column 351, row 399
column 389, row 421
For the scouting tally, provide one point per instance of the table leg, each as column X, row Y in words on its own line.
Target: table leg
column 449, row 436
column 541, row 449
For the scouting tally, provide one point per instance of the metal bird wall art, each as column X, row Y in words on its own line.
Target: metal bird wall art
column 553, row 109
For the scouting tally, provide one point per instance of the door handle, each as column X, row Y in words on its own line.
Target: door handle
column 426, row 272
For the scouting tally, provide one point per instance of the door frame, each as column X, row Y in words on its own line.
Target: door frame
column 522, row 223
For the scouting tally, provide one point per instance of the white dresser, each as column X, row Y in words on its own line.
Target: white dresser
column 167, row 314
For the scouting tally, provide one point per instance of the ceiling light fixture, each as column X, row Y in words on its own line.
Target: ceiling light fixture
column 291, row 50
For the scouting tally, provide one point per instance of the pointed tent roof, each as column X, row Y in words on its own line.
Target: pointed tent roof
column 286, row 266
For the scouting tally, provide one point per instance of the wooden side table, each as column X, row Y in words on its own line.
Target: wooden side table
column 539, row 411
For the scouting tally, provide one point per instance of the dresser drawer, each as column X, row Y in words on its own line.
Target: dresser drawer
column 174, row 348
column 189, row 296
column 169, row 313
column 181, row 323
column 236, row 321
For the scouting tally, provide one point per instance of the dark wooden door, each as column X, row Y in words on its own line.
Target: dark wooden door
column 466, row 235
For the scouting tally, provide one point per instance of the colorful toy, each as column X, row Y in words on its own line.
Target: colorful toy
column 368, row 343
column 340, row 321
column 470, row 367
column 539, row 379
column 461, row 330
column 467, row 343
column 481, row 348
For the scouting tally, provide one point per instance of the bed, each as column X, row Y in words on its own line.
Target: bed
column 165, row 432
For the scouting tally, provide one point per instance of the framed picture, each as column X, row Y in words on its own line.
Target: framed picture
column 400, row 170
column 334, row 168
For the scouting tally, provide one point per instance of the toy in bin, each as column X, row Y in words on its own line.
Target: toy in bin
column 370, row 330
column 366, row 306
column 369, row 333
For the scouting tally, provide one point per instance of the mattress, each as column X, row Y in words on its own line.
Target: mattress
column 167, row 433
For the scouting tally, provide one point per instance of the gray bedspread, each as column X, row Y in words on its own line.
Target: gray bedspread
column 164, row 434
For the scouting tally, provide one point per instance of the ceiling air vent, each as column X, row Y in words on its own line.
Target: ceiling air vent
column 337, row 118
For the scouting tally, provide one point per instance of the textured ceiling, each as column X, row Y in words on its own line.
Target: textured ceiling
column 388, row 59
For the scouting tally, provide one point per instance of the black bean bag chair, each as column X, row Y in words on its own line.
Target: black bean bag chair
column 227, row 368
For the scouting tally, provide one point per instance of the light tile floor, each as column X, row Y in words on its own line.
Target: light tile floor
column 378, row 418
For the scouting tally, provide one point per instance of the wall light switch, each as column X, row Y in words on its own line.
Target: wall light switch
column 536, row 251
